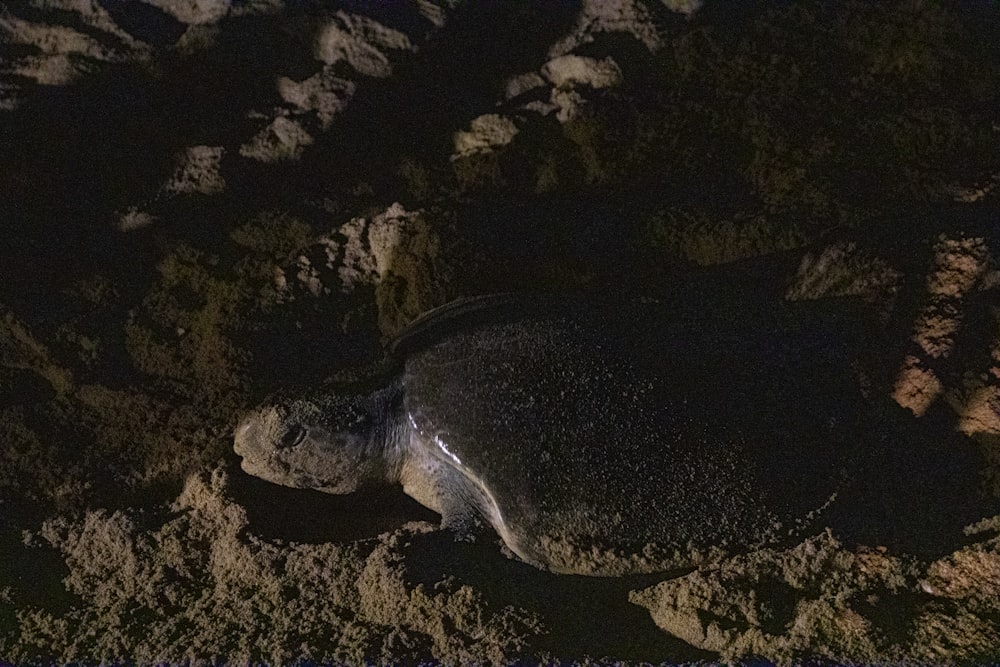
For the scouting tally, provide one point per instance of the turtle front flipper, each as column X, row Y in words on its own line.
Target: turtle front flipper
column 438, row 485
column 467, row 507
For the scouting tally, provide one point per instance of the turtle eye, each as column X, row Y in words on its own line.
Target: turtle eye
column 292, row 437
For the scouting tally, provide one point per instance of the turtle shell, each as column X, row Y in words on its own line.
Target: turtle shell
column 619, row 437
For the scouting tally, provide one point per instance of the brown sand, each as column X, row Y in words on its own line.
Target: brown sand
column 204, row 202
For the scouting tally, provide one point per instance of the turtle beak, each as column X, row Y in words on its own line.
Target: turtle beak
column 243, row 436
column 246, row 444
column 242, row 429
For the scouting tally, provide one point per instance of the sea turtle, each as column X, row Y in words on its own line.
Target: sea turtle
column 595, row 438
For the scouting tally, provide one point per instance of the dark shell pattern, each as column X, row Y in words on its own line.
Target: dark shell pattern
column 628, row 437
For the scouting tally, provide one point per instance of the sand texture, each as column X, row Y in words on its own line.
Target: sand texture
column 208, row 201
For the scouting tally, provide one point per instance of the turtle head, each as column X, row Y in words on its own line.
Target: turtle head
column 336, row 442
